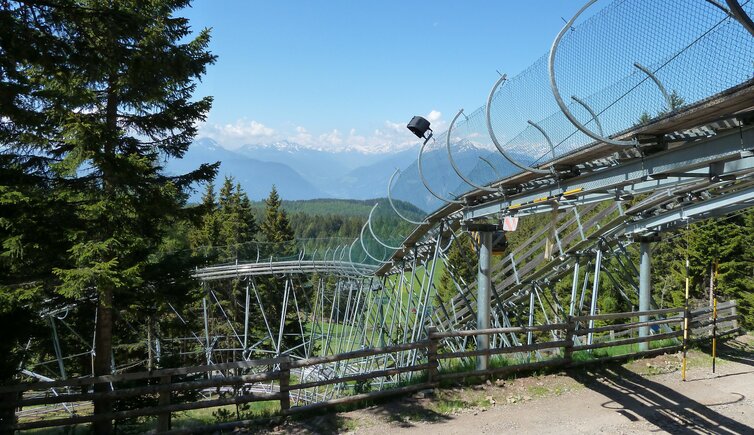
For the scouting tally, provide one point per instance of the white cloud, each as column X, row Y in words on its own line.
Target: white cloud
column 395, row 126
column 302, row 137
column 389, row 137
column 332, row 139
column 234, row 135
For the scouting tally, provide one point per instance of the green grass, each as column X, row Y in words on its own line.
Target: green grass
column 449, row 406
column 180, row 420
column 624, row 349
column 538, row 391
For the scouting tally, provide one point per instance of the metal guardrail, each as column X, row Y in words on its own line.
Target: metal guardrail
column 227, row 271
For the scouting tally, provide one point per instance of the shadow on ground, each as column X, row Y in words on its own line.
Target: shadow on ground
column 636, row 397
column 736, row 351
column 403, row 412
column 407, row 412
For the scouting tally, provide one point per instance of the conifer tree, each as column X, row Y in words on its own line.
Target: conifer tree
column 235, row 222
column 248, row 227
column 276, row 234
column 205, row 235
column 116, row 105
column 276, row 230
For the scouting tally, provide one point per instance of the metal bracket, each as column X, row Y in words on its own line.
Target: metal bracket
column 645, row 70
column 583, row 104
column 361, row 240
column 556, row 91
column 426, row 184
column 453, row 162
column 547, row 138
column 371, row 230
column 390, row 200
column 491, row 132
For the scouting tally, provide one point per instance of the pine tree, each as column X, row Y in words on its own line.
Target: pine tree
column 247, row 226
column 205, row 235
column 277, row 234
column 227, row 218
column 117, row 106
column 276, row 231
column 32, row 215
column 235, row 223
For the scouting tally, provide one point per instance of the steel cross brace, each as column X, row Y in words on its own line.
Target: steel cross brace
column 692, row 158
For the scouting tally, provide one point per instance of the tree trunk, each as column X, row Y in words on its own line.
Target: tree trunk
column 103, row 343
column 103, row 346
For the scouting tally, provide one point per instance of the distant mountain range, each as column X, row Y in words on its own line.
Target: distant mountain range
column 301, row 173
column 342, row 207
column 255, row 175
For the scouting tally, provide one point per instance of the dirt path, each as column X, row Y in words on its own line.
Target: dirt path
column 645, row 396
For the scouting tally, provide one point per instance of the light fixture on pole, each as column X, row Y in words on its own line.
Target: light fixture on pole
column 420, row 127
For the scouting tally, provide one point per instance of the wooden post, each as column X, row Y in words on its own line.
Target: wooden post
column 8, row 406
column 569, row 332
column 734, row 312
column 285, row 382
column 163, row 399
column 686, row 333
column 432, row 372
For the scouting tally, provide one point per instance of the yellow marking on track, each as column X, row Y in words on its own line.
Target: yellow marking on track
column 572, row 191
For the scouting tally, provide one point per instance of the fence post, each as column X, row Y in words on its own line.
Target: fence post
column 163, row 399
column 285, row 382
column 570, row 331
column 734, row 312
column 432, row 372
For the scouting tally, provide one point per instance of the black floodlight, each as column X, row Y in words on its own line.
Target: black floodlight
column 420, row 126
column 499, row 243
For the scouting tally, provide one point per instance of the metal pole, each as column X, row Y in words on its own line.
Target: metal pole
column 56, row 346
column 381, row 313
column 686, row 311
column 574, row 287
column 283, row 311
column 595, row 293
column 246, row 323
column 207, row 351
column 714, row 318
column 645, row 285
column 483, row 296
column 529, row 335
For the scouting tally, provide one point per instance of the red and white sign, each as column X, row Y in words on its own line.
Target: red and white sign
column 510, row 223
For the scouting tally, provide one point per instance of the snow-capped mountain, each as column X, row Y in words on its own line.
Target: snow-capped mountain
column 300, row 172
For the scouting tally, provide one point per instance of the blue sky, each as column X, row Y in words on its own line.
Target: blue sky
column 335, row 74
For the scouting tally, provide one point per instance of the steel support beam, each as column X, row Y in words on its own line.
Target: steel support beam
column 663, row 221
column 574, row 287
column 483, row 296
column 595, row 293
column 645, row 285
column 727, row 147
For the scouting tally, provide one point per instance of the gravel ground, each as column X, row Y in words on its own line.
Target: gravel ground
column 641, row 397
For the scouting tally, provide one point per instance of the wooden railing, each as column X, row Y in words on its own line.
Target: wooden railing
column 568, row 346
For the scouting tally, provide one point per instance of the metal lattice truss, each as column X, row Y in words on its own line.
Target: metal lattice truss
column 577, row 158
